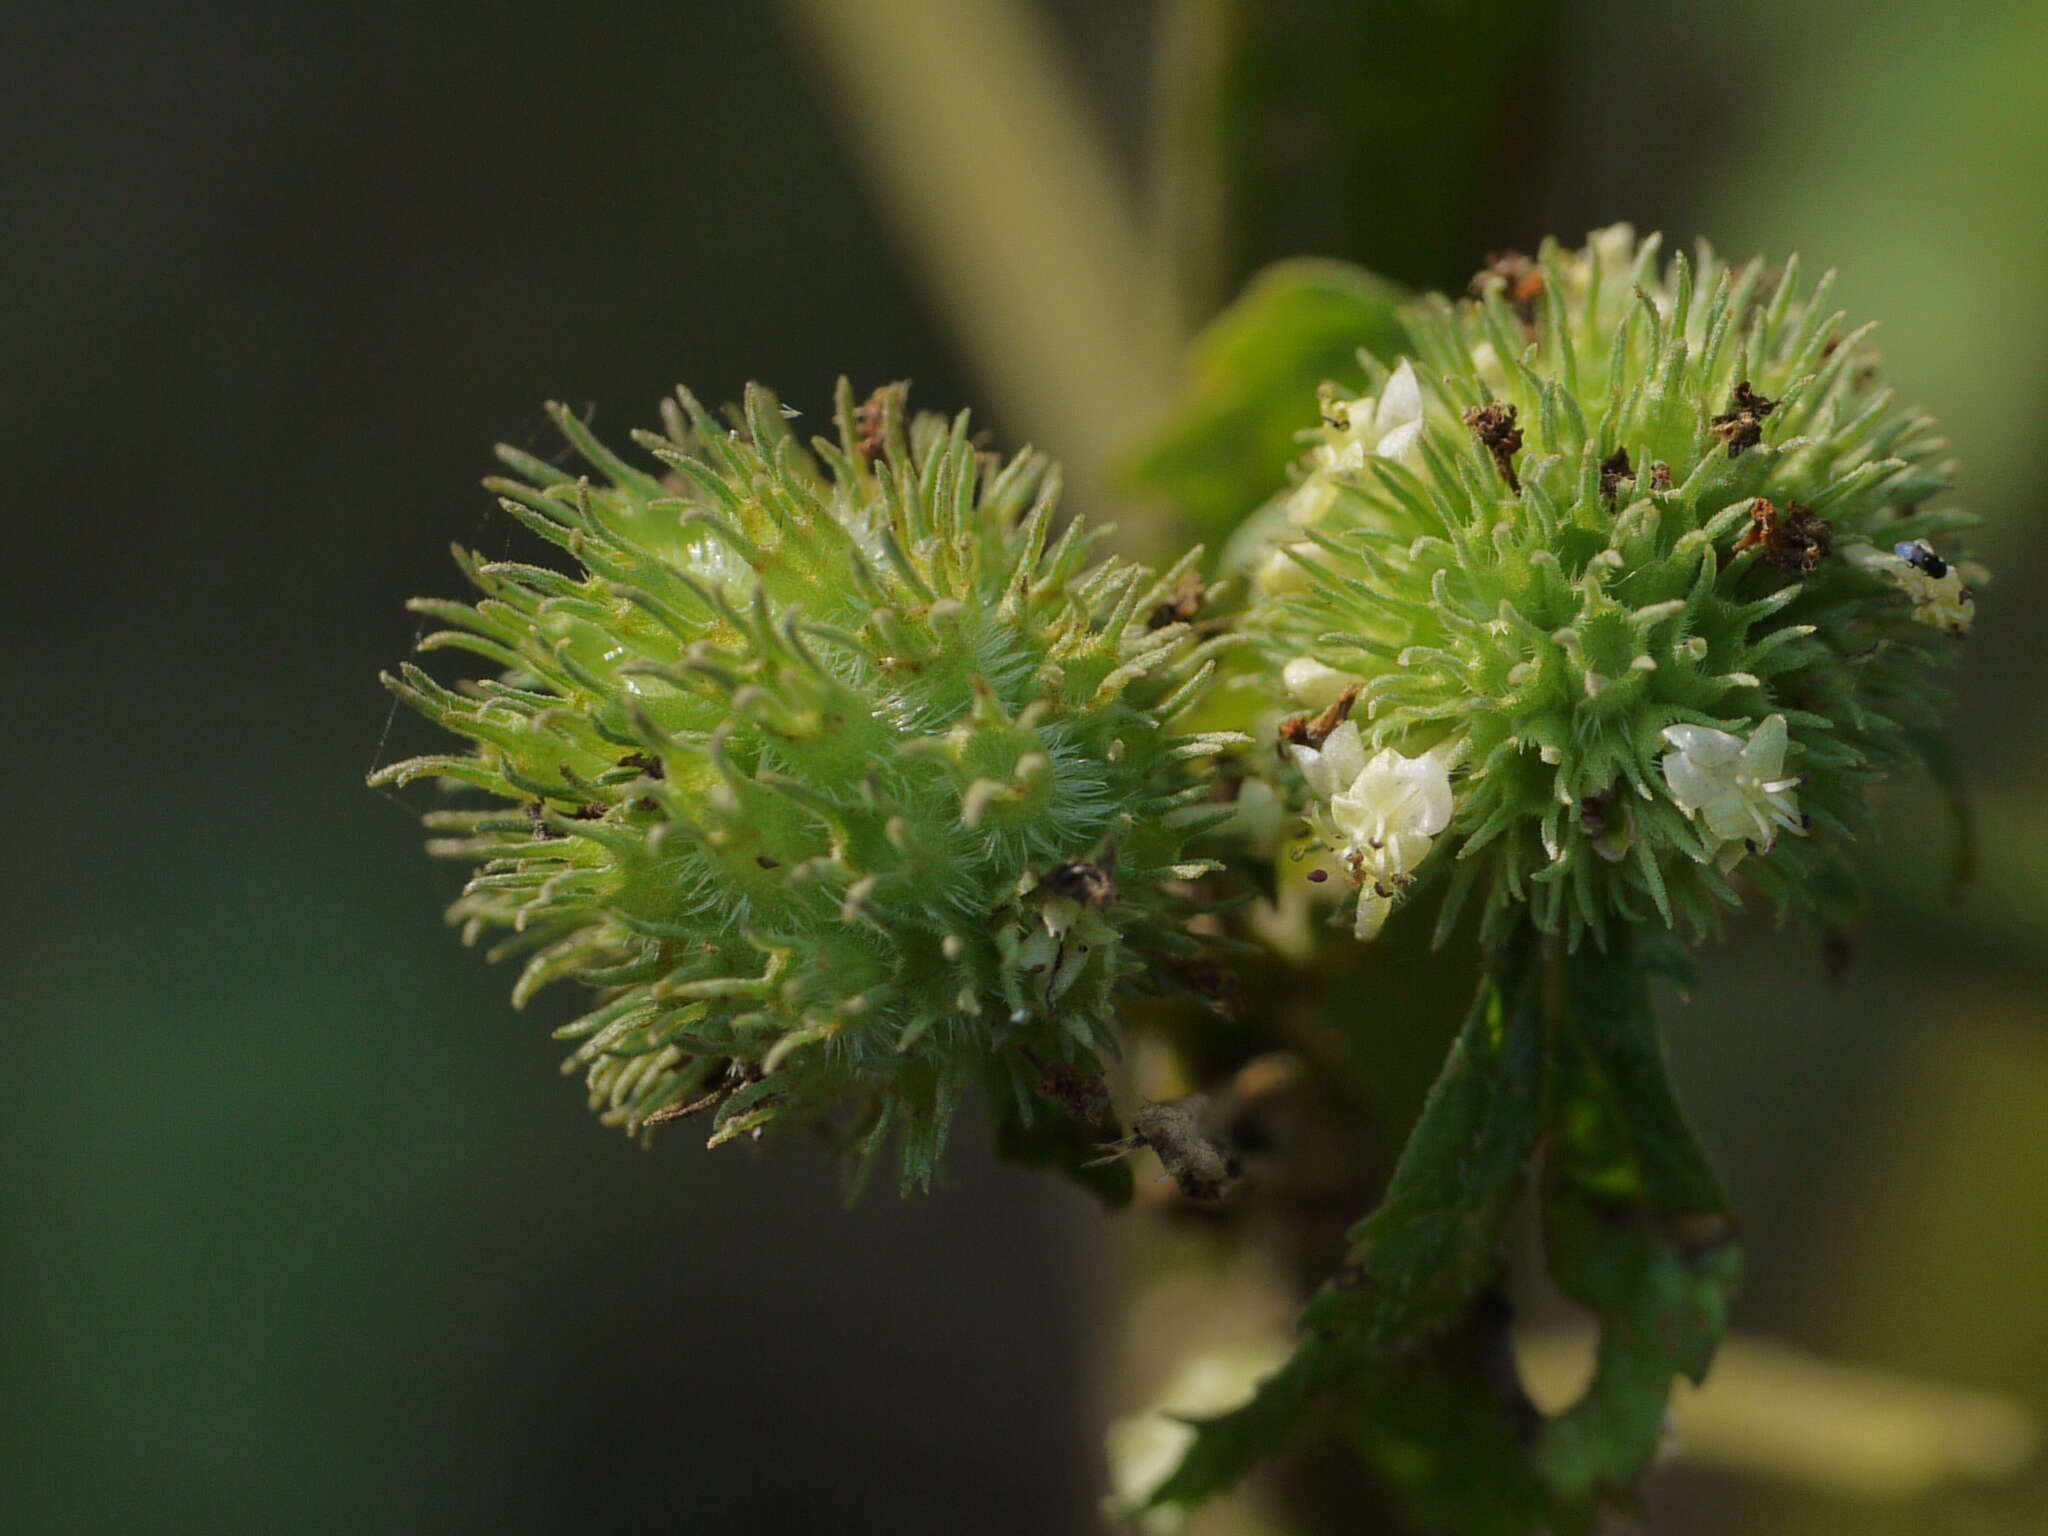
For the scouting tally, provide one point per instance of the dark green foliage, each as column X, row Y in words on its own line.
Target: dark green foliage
column 1636, row 1226
column 1414, row 1265
column 1043, row 1132
column 1448, row 1430
column 1332, row 126
column 1405, row 1352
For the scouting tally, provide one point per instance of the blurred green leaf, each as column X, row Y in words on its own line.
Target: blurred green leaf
column 1250, row 387
column 1227, row 1447
column 1416, row 1262
column 1945, row 772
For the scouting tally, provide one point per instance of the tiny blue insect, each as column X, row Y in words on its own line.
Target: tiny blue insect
column 1917, row 552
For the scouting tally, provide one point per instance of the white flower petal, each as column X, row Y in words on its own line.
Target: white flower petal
column 1430, row 784
column 1942, row 602
column 1728, row 816
column 1399, row 444
column 1764, row 757
column 1322, row 783
column 1486, row 364
column 1401, row 404
column 1379, row 816
column 1372, row 913
column 1280, row 573
column 1312, row 684
column 1734, row 787
column 1344, row 751
column 1310, row 501
column 1703, row 744
column 1692, row 785
column 1614, row 248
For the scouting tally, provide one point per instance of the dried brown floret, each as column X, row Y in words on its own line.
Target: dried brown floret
column 1494, row 426
column 870, row 420
column 1614, row 469
column 1081, row 1094
column 1313, row 730
column 1184, row 603
column 1521, row 284
column 1087, row 881
column 738, row 1075
column 1201, row 1165
column 1741, row 426
column 1794, row 541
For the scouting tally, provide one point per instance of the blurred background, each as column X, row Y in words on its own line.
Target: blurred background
column 303, row 1232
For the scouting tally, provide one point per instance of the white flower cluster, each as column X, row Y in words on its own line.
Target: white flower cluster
column 1389, row 427
column 1380, row 816
column 1737, row 788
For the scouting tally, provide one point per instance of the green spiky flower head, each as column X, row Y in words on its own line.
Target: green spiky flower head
column 1623, row 587
column 839, row 778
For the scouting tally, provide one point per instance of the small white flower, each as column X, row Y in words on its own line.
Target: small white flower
column 1941, row 597
column 1486, row 367
column 1313, row 684
column 1614, row 248
column 1737, row 788
column 1397, row 419
column 1280, row 572
column 1387, row 428
column 1380, row 816
column 1313, row 498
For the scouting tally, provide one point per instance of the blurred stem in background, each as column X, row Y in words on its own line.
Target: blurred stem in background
column 984, row 155
column 1377, row 133
column 1283, row 127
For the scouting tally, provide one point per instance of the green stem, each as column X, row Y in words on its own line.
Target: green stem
column 1636, row 1226
column 1405, row 1352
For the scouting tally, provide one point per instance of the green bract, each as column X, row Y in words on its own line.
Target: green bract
column 841, row 780
column 1642, row 557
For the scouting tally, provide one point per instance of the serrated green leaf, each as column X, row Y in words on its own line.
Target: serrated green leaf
column 1288, row 1403
column 1405, row 1354
column 1415, row 1264
column 1636, row 1226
